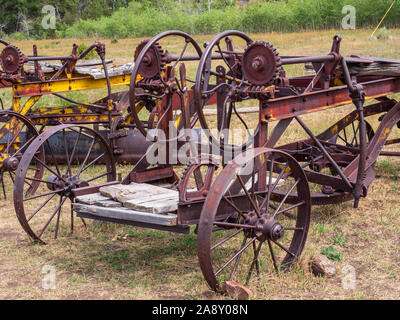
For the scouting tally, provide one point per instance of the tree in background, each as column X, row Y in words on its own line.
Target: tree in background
column 16, row 15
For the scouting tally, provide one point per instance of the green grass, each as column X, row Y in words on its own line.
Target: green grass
column 332, row 253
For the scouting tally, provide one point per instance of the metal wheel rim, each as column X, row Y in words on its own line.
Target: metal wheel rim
column 210, row 206
column 28, row 157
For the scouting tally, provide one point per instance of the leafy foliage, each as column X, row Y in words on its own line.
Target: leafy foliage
column 136, row 18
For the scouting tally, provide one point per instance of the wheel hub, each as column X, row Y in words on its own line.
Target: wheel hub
column 266, row 227
column 65, row 183
column 11, row 164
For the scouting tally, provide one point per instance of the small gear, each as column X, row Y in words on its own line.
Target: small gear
column 261, row 63
column 12, row 59
column 154, row 60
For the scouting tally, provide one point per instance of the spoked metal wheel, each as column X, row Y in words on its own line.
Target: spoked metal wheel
column 255, row 217
column 234, row 72
column 16, row 134
column 159, row 90
column 76, row 156
column 349, row 136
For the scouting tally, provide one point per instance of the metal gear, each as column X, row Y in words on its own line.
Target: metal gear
column 261, row 63
column 154, row 60
column 12, row 59
column 203, row 182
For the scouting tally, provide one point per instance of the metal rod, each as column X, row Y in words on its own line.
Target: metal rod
column 326, row 154
column 325, row 58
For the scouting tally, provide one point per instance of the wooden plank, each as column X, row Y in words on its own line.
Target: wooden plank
column 108, row 204
column 185, row 229
column 126, row 214
column 154, row 207
column 143, row 197
column 92, row 198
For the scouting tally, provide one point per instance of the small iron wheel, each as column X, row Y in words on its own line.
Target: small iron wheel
column 16, row 134
column 76, row 156
column 349, row 136
column 256, row 217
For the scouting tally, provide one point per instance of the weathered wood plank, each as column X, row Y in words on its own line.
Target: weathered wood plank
column 155, row 207
column 98, row 199
column 177, row 228
column 126, row 214
column 92, row 198
column 143, row 197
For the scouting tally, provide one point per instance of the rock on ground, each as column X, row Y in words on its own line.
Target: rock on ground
column 322, row 266
column 236, row 290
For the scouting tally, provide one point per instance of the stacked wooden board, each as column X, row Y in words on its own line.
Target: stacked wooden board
column 140, row 202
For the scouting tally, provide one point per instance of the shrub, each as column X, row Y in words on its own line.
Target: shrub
column 141, row 19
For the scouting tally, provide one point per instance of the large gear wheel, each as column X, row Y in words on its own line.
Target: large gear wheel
column 201, row 175
column 261, row 63
column 12, row 59
column 154, row 60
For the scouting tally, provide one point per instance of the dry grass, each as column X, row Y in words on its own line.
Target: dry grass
column 118, row 262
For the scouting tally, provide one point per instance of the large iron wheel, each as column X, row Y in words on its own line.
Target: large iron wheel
column 259, row 201
column 16, row 134
column 158, row 88
column 77, row 156
column 233, row 70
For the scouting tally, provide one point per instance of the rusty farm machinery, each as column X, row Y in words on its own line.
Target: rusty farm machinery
column 249, row 201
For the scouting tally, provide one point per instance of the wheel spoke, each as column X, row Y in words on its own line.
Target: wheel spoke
column 232, row 205
column 290, row 208
column 41, row 206
column 274, row 186
column 238, row 259
column 285, row 197
column 248, row 195
column 2, row 184
column 52, row 216
column 25, row 144
column 283, row 248
column 43, row 194
column 93, row 162
column 67, row 154
column 11, row 176
column 234, row 225
column 74, row 148
column 53, row 157
column 293, row 229
column 235, row 255
column 225, row 239
column 58, row 221
column 255, row 261
column 86, row 158
column 48, row 168
column 99, row 176
column 14, row 137
column 271, row 251
column 181, row 55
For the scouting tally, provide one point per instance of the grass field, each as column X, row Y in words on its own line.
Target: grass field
column 117, row 262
